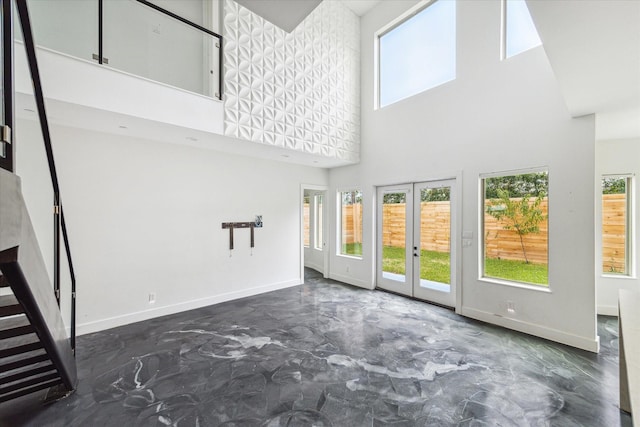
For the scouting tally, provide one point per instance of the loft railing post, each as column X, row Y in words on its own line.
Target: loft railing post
column 7, row 149
column 100, row 30
column 220, row 68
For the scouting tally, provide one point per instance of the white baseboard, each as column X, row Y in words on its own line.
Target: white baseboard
column 536, row 330
column 125, row 319
column 350, row 281
column 608, row 310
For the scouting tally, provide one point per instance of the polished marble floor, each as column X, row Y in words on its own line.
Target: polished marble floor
column 326, row 354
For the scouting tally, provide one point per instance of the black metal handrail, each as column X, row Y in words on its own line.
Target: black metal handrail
column 191, row 24
column 171, row 15
column 59, row 222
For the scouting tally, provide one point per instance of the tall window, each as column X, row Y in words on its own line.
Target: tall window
column 519, row 33
column 616, row 225
column 350, row 238
column 419, row 53
column 514, row 227
column 318, row 231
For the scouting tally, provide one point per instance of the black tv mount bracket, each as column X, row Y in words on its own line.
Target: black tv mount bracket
column 257, row 223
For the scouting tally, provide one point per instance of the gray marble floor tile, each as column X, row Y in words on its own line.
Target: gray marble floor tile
column 327, row 354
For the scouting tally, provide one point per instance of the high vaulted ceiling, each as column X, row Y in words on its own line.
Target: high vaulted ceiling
column 286, row 14
column 594, row 50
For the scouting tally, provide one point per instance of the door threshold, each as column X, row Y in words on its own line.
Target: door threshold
column 415, row 299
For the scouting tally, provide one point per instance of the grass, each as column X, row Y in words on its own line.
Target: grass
column 434, row 266
column 353, row 249
column 518, row 271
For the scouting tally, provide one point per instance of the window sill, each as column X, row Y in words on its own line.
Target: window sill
column 359, row 258
column 618, row 276
column 537, row 288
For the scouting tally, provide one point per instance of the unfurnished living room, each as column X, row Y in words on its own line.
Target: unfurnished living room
column 320, row 213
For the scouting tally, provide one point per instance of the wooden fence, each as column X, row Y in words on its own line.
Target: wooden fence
column 500, row 243
column 614, row 233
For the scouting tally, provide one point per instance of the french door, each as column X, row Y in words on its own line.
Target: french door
column 416, row 240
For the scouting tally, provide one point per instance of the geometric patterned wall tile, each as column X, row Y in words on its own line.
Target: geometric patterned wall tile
column 299, row 90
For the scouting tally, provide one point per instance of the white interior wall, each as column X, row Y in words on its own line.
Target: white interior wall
column 145, row 217
column 496, row 116
column 616, row 157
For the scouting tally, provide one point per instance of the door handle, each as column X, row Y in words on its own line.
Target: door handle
column 415, row 254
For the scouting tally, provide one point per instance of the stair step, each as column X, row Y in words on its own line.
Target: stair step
column 3, row 282
column 9, row 306
column 27, row 373
column 29, row 390
column 16, row 332
column 24, row 348
column 28, row 383
column 24, row 362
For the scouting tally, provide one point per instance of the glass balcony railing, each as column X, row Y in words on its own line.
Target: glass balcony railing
column 138, row 37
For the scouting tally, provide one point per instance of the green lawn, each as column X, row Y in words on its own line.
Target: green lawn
column 435, row 266
column 354, row 249
column 516, row 270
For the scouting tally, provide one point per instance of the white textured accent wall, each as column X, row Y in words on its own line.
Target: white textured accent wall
column 298, row 90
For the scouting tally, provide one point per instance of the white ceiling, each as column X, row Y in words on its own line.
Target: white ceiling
column 286, row 14
column 594, row 50
column 360, row 7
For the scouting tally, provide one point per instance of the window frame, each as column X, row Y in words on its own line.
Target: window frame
column 339, row 220
column 481, row 230
column 392, row 25
column 630, row 244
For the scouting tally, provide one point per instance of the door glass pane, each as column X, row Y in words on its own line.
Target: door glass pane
column 319, row 238
column 435, row 238
column 305, row 209
column 394, row 215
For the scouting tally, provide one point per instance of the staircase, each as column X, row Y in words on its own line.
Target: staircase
column 35, row 352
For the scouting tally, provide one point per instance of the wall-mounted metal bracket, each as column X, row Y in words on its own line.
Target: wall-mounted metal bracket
column 252, row 225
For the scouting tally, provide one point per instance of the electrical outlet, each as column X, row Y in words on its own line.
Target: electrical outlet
column 152, row 298
column 511, row 307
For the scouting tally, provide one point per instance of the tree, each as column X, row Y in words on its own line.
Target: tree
column 614, row 185
column 522, row 216
column 523, row 185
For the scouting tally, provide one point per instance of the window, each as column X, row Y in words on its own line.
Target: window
column 514, row 227
column 616, row 225
column 519, row 33
column 418, row 53
column 305, row 208
column 350, row 238
column 318, row 232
